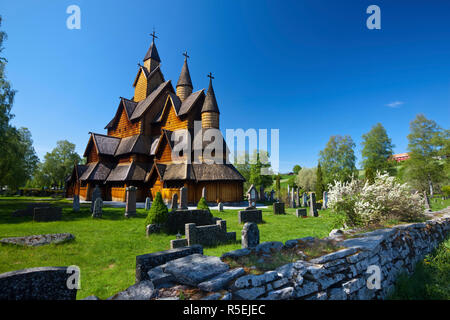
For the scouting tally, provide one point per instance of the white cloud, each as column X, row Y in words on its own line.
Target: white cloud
column 395, row 104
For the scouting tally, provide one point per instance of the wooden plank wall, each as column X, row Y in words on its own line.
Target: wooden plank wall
column 125, row 128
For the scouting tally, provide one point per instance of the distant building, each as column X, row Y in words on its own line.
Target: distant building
column 400, row 157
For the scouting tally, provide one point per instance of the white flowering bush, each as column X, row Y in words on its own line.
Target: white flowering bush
column 365, row 203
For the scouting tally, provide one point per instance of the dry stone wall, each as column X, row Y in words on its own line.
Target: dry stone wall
column 350, row 273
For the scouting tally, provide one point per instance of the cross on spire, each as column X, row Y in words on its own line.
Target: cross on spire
column 185, row 54
column 153, row 34
column 210, row 76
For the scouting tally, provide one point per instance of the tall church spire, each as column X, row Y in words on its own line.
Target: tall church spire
column 210, row 110
column 184, row 84
column 151, row 59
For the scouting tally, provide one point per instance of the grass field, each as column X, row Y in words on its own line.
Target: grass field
column 105, row 249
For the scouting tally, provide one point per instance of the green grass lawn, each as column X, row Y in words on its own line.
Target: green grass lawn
column 106, row 249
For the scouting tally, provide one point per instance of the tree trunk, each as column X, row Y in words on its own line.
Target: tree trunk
column 431, row 188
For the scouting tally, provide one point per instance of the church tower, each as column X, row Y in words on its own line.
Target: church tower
column 184, row 84
column 210, row 110
column 151, row 59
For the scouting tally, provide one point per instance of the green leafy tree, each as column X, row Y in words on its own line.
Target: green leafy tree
column 306, row 179
column 424, row 168
column 376, row 151
column 296, row 169
column 338, row 159
column 320, row 187
column 251, row 168
column 158, row 212
column 57, row 164
column 369, row 175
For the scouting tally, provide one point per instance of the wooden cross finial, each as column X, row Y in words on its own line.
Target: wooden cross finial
column 185, row 54
column 210, row 76
column 153, row 34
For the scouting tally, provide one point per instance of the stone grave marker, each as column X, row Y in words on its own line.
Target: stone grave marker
column 305, row 200
column 262, row 196
column 98, row 205
column 313, row 205
column 95, row 194
column 250, row 235
column 76, row 203
column 183, row 198
column 220, row 207
column 301, row 213
column 130, row 205
column 204, row 192
column 278, row 208
column 148, row 203
column 297, row 197
column 325, row 200
column 252, row 194
column 250, row 215
column 174, row 202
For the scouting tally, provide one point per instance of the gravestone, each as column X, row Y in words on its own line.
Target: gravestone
column 45, row 214
column 204, row 192
column 427, row 202
column 76, row 203
column 174, row 202
column 95, row 194
column 220, row 207
column 305, row 200
column 130, row 205
column 252, row 194
column 292, row 199
column 313, row 205
column 297, row 197
column 98, row 205
column 148, row 203
column 250, row 235
column 250, row 215
column 325, row 200
column 272, row 195
column 278, row 208
column 183, row 198
column 301, row 212
column 262, row 196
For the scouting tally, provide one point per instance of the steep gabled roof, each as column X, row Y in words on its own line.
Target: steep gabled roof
column 105, row 145
column 143, row 105
column 148, row 75
column 189, row 102
column 216, row 172
column 128, row 105
column 129, row 172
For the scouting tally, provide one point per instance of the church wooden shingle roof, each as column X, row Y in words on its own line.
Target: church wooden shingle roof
column 185, row 76
column 210, row 104
column 143, row 105
column 152, row 53
column 106, row 145
column 128, row 172
column 134, row 144
column 97, row 171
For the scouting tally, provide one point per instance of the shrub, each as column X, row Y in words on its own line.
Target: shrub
column 202, row 205
column 365, row 203
column 446, row 191
column 158, row 212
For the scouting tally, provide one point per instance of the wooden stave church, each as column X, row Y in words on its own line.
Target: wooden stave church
column 136, row 149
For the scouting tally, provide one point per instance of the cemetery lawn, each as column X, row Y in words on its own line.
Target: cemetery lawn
column 105, row 249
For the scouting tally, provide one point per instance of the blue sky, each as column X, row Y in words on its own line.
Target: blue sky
column 309, row 68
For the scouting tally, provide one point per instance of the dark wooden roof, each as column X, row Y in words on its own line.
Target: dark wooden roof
column 190, row 101
column 210, row 104
column 185, row 76
column 129, row 172
column 199, row 172
column 134, row 144
column 128, row 105
column 97, row 171
column 143, row 105
column 148, row 75
column 105, row 145
column 152, row 53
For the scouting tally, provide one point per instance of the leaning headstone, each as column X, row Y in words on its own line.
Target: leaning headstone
column 130, row 205
column 148, row 203
column 174, row 202
column 184, row 198
column 204, row 192
column 250, row 235
column 76, row 203
column 98, row 205
column 95, row 194
column 220, row 207
column 325, row 200
column 313, row 206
